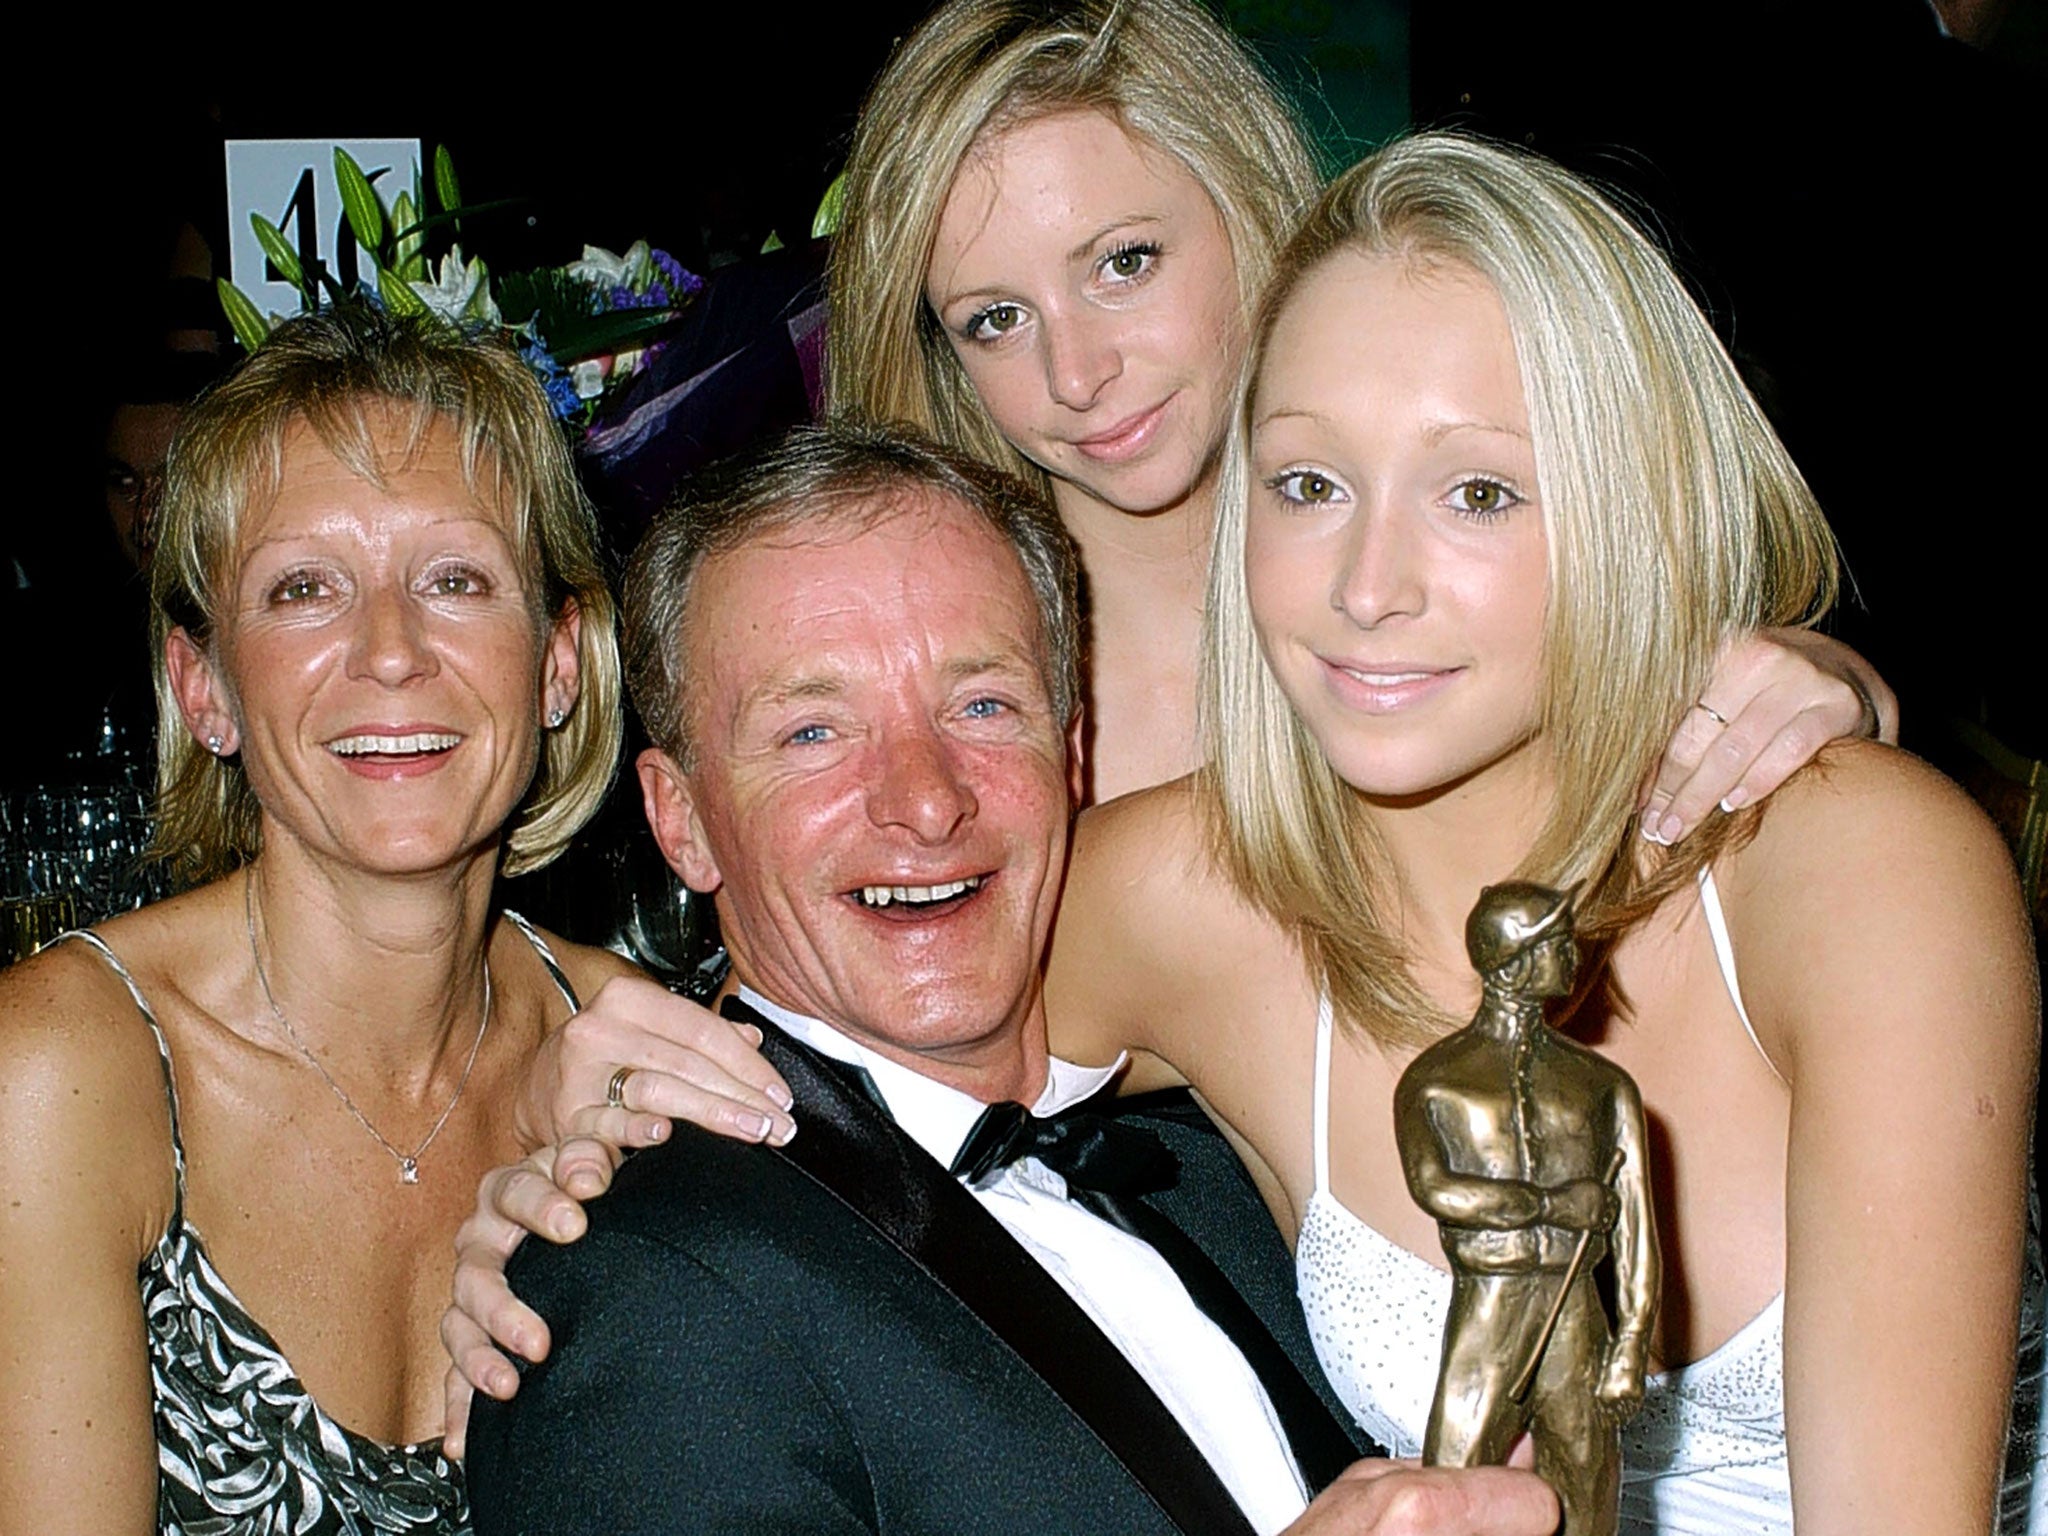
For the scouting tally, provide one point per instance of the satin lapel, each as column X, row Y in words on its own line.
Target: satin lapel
column 852, row 1150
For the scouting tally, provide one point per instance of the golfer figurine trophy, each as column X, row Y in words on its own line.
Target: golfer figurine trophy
column 1528, row 1149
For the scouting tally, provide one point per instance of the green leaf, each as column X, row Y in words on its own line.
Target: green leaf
column 251, row 329
column 554, row 302
column 772, row 243
column 407, row 257
column 619, row 330
column 281, row 255
column 455, row 216
column 446, row 187
column 360, row 202
column 397, row 297
column 831, row 209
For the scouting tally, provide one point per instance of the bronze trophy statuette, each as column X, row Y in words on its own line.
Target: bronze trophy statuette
column 1529, row 1150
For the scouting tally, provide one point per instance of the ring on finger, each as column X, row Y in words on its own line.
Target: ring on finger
column 615, row 1091
column 1713, row 714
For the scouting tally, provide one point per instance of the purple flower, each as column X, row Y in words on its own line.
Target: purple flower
column 679, row 283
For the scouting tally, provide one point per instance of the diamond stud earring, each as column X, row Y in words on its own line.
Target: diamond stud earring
column 214, row 744
column 555, row 719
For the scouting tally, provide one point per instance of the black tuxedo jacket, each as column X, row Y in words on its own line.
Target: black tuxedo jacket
column 836, row 1337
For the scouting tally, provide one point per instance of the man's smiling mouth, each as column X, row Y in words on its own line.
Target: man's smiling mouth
column 915, row 896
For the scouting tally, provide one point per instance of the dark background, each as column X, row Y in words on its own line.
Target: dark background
column 1852, row 196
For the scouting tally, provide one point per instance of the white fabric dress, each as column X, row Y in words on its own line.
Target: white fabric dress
column 1707, row 1452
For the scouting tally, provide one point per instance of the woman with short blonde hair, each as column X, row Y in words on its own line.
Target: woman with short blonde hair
column 331, row 373
column 387, row 671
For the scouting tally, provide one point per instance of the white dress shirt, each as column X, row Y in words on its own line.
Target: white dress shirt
column 1126, row 1288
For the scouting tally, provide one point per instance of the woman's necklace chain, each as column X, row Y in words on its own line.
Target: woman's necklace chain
column 408, row 1164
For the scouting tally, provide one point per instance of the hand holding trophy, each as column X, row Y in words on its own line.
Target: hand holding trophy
column 1529, row 1151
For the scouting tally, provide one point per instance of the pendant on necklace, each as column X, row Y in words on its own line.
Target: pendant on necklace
column 408, row 1171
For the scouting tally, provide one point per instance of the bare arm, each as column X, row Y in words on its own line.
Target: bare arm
column 1145, row 939
column 84, row 1125
column 1893, row 980
column 1776, row 698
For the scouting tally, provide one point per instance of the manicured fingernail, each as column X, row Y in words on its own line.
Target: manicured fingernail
column 755, row 1126
column 1735, row 799
column 781, row 1096
column 784, row 1134
column 753, row 1033
column 659, row 1130
column 1653, row 825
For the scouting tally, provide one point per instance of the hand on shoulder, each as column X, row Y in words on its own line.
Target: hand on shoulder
column 634, row 1056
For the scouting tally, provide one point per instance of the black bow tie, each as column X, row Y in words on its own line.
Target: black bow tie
column 1087, row 1149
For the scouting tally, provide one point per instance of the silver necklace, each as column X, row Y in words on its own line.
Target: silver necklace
column 408, row 1164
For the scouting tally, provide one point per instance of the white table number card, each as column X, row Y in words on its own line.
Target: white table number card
column 291, row 183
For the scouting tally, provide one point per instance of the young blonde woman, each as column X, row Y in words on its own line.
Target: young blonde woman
column 1496, row 500
column 1058, row 221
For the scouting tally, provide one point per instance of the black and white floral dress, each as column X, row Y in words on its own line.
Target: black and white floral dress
column 242, row 1448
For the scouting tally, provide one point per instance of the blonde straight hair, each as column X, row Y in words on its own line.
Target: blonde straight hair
column 328, row 372
column 1675, row 520
column 1165, row 70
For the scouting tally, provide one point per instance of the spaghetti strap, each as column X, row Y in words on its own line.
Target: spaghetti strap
column 163, row 1049
column 1324, row 1020
column 1724, row 956
column 547, row 958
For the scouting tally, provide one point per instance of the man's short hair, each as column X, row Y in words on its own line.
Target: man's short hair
column 852, row 475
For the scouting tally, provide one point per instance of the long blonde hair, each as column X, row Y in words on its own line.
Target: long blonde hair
column 1675, row 519
column 326, row 372
column 1163, row 69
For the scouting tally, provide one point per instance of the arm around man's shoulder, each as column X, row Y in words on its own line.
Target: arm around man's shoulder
column 671, row 1400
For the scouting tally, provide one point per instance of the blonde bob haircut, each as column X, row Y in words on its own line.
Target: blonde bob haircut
column 1675, row 519
column 330, row 372
column 1165, row 70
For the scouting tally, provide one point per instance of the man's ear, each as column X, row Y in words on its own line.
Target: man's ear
column 671, row 805
column 561, row 667
column 203, row 701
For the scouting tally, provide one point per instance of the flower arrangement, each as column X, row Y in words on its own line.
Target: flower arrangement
column 584, row 328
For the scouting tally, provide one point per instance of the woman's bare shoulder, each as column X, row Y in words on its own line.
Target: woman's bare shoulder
column 1869, row 825
column 1148, row 922
column 82, row 1098
column 1873, row 880
column 1149, row 862
column 588, row 966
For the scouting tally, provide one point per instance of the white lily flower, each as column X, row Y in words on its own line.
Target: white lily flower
column 601, row 269
column 460, row 292
column 588, row 378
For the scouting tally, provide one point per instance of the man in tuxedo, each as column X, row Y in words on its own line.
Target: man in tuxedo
column 934, row 1310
